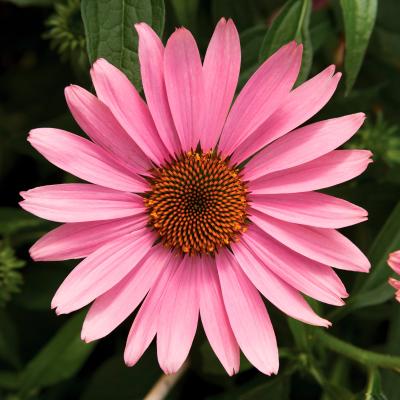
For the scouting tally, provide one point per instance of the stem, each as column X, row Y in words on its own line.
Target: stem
column 365, row 357
column 165, row 384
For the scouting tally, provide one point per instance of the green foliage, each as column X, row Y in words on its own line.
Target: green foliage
column 60, row 359
column 29, row 3
column 382, row 138
column 66, row 32
column 14, row 220
column 359, row 20
column 292, row 23
column 185, row 10
column 132, row 383
column 374, row 389
column 374, row 288
column 10, row 276
column 110, row 34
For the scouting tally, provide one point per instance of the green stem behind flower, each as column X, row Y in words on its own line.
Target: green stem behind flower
column 365, row 357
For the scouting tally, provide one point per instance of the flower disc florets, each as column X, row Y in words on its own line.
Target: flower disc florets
column 197, row 203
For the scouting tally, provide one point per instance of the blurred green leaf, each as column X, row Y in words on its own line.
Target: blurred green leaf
column 9, row 351
column 386, row 45
column 14, row 220
column 30, row 3
column 113, row 376
column 243, row 13
column 359, row 20
column 110, row 33
column 335, row 392
column 9, row 380
column 10, row 275
column 390, row 380
column 300, row 333
column 185, row 11
column 41, row 282
column 250, row 41
column 277, row 388
column 320, row 28
column 210, row 365
column 60, row 359
column 387, row 241
column 374, row 387
column 374, row 288
column 292, row 23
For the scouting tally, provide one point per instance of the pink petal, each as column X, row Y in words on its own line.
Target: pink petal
column 221, row 71
column 312, row 278
column 102, row 270
column 151, row 57
column 179, row 313
column 80, row 202
column 336, row 167
column 247, row 314
column 394, row 283
column 115, row 90
column 310, row 208
column 277, row 291
column 85, row 159
column 326, row 246
column 215, row 320
column 299, row 106
column 394, row 261
column 114, row 306
column 185, row 88
column 144, row 326
column 79, row 239
column 100, row 125
column 261, row 96
column 303, row 145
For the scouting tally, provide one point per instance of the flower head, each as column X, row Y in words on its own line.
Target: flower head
column 193, row 207
column 394, row 263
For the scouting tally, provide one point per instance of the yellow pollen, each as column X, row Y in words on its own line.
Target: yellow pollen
column 197, row 203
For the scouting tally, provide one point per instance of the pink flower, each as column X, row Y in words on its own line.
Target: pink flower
column 394, row 263
column 171, row 217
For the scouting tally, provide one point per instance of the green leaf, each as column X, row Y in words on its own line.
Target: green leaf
column 9, row 351
column 300, row 333
column 385, row 45
column 320, row 29
column 390, row 379
column 60, row 359
column 274, row 389
column 185, row 11
column 374, row 387
column 110, row 33
column 30, row 3
column 375, row 289
column 243, row 13
column 359, row 20
column 130, row 383
column 9, row 380
column 14, row 220
column 41, row 281
column 292, row 23
column 250, row 41
column 210, row 365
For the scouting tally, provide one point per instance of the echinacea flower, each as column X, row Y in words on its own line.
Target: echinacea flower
column 394, row 263
column 176, row 217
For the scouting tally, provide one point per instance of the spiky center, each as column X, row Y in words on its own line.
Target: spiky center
column 197, row 203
